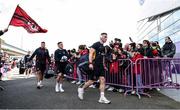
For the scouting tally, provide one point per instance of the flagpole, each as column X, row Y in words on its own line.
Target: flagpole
column 12, row 16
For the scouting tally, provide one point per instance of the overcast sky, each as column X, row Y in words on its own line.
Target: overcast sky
column 73, row 22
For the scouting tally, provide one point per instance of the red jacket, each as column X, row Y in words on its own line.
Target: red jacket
column 114, row 67
column 136, row 67
column 84, row 52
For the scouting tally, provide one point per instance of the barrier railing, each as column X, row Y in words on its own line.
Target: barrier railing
column 119, row 74
column 155, row 73
column 145, row 73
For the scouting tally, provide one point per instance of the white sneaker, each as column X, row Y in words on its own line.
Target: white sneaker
column 157, row 89
column 133, row 92
column 80, row 93
column 120, row 90
column 61, row 89
column 107, row 86
column 92, row 86
column 169, row 79
column 38, row 85
column 79, row 82
column 57, row 88
column 104, row 100
column 73, row 82
column 110, row 89
column 41, row 85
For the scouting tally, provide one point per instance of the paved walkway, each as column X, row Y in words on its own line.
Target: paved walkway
column 21, row 93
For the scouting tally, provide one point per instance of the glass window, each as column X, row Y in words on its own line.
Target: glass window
column 176, row 26
column 175, row 37
column 176, row 15
column 141, row 24
column 153, row 32
column 149, row 29
column 164, row 17
column 170, row 30
column 167, row 22
column 161, row 42
column 177, row 49
column 154, row 38
column 161, row 35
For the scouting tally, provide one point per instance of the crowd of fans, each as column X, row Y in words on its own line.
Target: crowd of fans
column 115, row 51
column 112, row 52
column 6, row 63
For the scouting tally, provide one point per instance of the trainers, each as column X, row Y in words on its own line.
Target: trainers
column 73, row 82
column 157, row 89
column 110, row 89
column 133, row 92
column 104, row 100
column 79, row 82
column 80, row 93
column 61, row 89
column 41, row 85
column 92, row 86
column 57, row 88
column 120, row 90
column 107, row 86
column 169, row 79
column 38, row 85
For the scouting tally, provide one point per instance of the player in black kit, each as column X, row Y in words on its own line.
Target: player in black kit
column 61, row 58
column 98, row 70
column 42, row 56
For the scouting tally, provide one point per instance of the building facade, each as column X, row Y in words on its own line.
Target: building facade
column 157, row 26
column 11, row 50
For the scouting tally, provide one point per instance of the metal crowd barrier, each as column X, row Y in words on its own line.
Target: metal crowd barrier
column 119, row 74
column 145, row 73
column 156, row 73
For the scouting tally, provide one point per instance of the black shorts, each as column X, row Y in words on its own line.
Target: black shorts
column 28, row 66
column 60, row 67
column 97, row 72
column 0, row 74
column 40, row 67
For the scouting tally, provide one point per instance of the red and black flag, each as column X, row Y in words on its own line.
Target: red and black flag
column 21, row 18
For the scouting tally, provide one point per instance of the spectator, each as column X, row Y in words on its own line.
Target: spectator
column 169, row 48
column 147, row 49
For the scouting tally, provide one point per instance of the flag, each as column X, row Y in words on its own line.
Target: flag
column 21, row 18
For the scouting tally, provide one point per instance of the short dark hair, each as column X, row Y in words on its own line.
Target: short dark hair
column 59, row 43
column 103, row 33
column 43, row 42
column 117, row 39
column 146, row 41
column 82, row 47
column 169, row 38
column 133, row 45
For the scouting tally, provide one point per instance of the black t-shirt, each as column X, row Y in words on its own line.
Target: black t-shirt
column 42, row 55
column 99, row 49
column 59, row 53
column 26, row 58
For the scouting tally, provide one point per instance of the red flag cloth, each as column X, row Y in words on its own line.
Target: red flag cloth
column 21, row 18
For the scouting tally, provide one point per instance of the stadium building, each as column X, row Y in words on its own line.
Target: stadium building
column 158, row 19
